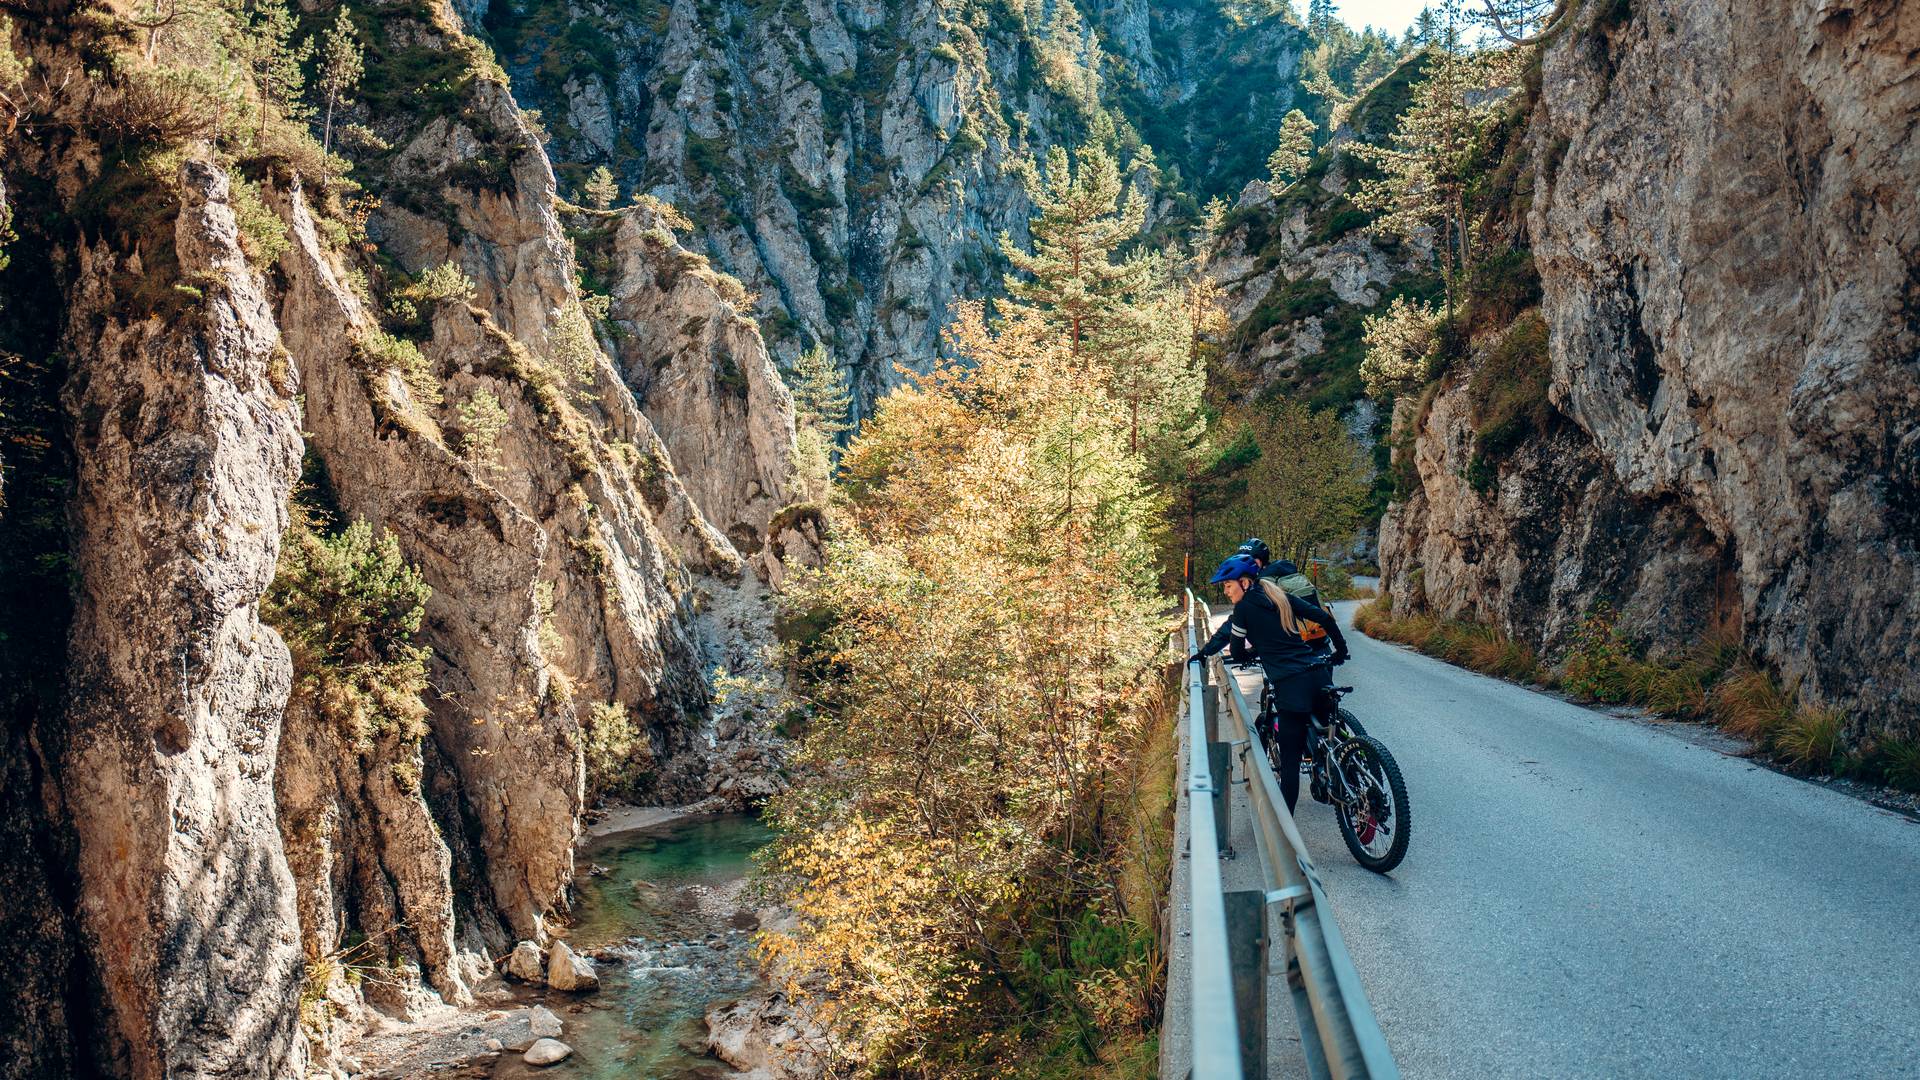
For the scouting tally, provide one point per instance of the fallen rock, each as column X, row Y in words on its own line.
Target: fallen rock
column 547, row 1052
column 765, row 1036
column 543, row 1022
column 566, row 971
column 495, row 1045
column 526, row 963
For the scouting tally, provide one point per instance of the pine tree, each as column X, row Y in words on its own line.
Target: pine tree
column 821, row 398
column 1289, row 160
column 1320, row 84
column 275, row 61
column 1320, row 18
column 157, row 15
column 341, row 66
column 1430, row 171
column 822, row 412
column 1084, row 215
column 600, row 190
column 1400, row 347
column 1426, row 29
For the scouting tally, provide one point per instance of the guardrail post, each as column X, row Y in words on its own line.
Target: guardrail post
column 1220, row 767
column 1211, row 702
column 1247, row 943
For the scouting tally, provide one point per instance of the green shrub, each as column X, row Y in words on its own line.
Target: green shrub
column 348, row 607
column 1900, row 763
column 381, row 351
column 1508, row 396
column 263, row 236
column 1501, row 287
column 1598, row 666
column 616, row 750
column 442, row 284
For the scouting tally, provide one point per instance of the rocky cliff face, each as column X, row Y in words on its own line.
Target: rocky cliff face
column 1728, row 241
column 198, row 846
column 187, row 446
column 847, row 162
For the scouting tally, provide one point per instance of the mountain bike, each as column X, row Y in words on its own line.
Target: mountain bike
column 1355, row 773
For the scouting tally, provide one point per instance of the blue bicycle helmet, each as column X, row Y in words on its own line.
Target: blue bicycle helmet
column 1234, row 568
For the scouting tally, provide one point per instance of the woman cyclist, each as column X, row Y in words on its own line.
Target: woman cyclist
column 1267, row 618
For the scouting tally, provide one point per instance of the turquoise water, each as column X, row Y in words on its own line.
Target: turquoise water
column 662, row 906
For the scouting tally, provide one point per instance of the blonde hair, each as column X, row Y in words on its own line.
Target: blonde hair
column 1279, row 597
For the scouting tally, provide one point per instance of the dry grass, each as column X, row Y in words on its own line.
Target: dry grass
column 1481, row 648
column 1811, row 739
column 1710, row 681
column 1748, row 704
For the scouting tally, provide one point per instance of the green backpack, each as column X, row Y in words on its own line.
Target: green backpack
column 1302, row 586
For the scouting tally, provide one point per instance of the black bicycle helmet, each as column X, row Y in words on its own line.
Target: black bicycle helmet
column 1257, row 548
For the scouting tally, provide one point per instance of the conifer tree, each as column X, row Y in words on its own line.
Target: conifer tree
column 1426, row 29
column 822, row 411
column 1084, row 215
column 600, row 190
column 1429, row 171
column 1401, row 345
column 341, row 66
column 820, row 393
column 274, row 60
column 1289, row 160
column 1320, row 18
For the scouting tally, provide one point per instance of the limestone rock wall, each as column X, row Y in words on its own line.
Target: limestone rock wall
column 848, row 161
column 196, row 845
column 187, row 442
column 1728, row 238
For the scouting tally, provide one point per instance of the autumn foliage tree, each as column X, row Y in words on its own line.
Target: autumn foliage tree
column 995, row 652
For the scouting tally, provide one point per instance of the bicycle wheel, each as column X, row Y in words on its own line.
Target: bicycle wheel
column 1376, row 819
column 1353, row 724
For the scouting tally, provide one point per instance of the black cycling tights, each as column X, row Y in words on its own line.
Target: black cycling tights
column 1291, row 729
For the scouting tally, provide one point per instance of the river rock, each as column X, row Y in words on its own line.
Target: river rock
column 767, row 1036
column 527, row 963
column 567, row 971
column 543, row 1022
column 547, row 1052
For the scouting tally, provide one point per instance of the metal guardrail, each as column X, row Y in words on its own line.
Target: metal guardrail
column 1216, row 1030
column 1339, row 1036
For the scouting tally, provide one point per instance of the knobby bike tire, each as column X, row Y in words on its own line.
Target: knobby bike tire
column 1368, row 747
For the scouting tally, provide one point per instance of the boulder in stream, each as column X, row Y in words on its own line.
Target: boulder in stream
column 543, row 1022
column 567, row 971
column 547, row 1052
column 768, row 1038
column 526, row 962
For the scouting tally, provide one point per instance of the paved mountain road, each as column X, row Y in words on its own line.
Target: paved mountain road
column 1591, row 896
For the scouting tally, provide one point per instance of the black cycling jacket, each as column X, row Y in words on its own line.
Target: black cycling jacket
column 1257, row 620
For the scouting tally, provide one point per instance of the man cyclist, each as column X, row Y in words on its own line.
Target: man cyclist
column 1270, row 620
column 1288, row 576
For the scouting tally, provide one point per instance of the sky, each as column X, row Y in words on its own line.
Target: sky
column 1394, row 15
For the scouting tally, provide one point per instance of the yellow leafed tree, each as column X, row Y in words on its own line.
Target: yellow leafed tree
column 994, row 648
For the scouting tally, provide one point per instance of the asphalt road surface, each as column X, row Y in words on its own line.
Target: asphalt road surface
column 1593, row 896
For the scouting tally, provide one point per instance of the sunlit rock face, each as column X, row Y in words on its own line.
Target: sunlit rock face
column 1728, row 240
column 849, row 162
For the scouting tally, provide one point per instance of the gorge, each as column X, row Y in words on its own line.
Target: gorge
column 237, row 319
